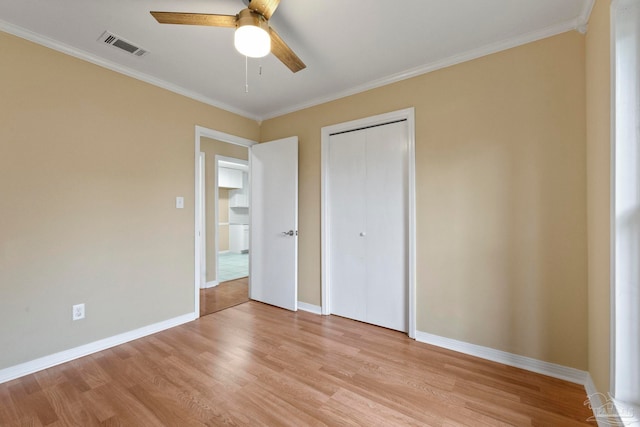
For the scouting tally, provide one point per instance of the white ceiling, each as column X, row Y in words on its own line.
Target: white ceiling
column 348, row 46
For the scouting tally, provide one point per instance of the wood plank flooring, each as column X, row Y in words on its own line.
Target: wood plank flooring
column 225, row 295
column 258, row 365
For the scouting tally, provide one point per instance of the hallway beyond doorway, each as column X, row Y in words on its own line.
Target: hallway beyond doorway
column 232, row 266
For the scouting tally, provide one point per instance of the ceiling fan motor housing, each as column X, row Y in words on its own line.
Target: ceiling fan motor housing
column 252, row 36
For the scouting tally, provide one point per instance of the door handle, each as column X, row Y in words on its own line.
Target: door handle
column 290, row 233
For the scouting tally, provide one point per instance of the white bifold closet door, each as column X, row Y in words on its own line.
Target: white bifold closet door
column 368, row 225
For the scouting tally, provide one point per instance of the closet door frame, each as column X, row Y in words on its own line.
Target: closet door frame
column 407, row 114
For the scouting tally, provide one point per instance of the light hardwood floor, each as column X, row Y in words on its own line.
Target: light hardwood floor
column 225, row 295
column 254, row 364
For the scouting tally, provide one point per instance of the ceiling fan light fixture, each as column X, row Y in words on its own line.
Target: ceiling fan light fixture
column 252, row 37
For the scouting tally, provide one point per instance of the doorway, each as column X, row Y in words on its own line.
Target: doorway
column 368, row 220
column 273, row 173
column 232, row 218
column 212, row 229
column 226, row 222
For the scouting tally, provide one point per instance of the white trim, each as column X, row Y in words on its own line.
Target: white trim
column 545, row 368
column 216, row 216
column 583, row 20
column 231, row 163
column 211, row 284
column 201, row 132
column 325, row 265
column 202, row 164
column 13, row 372
column 407, row 114
column 597, row 401
column 412, row 274
column 624, row 331
column 612, row 196
column 606, row 409
column 563, row 27
column 199, row 237
column 110, row 65
column 315, row 309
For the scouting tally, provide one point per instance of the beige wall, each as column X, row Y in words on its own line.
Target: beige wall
column 598, row 76
column 211, row 148
column 223, row 219
column 501, row 196
column 90, row 164
column 223, row 203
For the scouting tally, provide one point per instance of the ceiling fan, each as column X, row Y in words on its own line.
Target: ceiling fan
column 254, row 37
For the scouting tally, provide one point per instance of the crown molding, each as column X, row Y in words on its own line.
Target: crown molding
column 578, row 24
column 437, row 65
column 110, row 65
column 583, row 19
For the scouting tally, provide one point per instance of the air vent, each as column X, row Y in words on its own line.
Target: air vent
column 122, row 44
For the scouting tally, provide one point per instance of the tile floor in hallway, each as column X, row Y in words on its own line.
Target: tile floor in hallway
column 232, row 266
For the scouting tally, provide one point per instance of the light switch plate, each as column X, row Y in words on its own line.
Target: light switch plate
column 179, row 202
column 77, row 312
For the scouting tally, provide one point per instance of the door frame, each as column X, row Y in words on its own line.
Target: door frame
column 202, row 193
column 407, row 114
column 199, row 238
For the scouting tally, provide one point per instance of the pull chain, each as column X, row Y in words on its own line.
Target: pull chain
column 246, row 74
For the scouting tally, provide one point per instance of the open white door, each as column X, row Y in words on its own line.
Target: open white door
column 274, row 223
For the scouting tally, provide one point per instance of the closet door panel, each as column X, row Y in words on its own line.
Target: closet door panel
column 347, row 212
column 386, row 222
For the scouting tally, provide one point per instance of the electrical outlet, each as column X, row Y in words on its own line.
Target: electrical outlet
column 78, row 312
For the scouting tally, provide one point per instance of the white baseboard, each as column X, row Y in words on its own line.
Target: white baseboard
column 211, row 284
column 315, row 309
column 545, row 368
column 608, row 411
column 591, row 389
column 596, row 400
column 17, row 371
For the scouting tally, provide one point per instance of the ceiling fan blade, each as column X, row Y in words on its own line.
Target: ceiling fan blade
column 211, row 20
column 284, row 53
column 264, row 7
